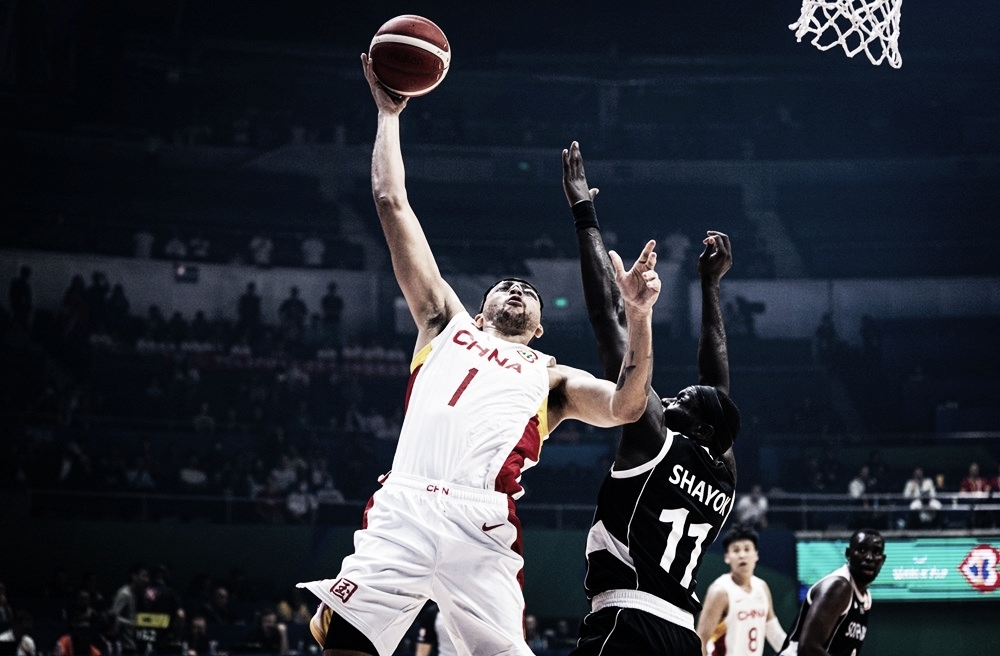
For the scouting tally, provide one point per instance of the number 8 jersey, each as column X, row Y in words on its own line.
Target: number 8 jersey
column 475, row 410
column 654, row 522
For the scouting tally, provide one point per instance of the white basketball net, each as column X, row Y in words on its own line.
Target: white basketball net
column 871, row 26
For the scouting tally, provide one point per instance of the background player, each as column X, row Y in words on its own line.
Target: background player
column 833, row 619
column 432, row 636
column 478, row 405
column 671, row 487
column 739, row 613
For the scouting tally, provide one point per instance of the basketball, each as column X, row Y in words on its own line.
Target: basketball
column 410, row 55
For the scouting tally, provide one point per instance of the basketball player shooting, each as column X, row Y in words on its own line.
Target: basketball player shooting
column 479, row 403
column 671, row 486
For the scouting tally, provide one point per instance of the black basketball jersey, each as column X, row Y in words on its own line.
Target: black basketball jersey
column 848, row 635
column 654, row 522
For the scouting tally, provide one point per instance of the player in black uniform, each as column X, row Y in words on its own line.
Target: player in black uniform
column 672, row 483
column 833, row 619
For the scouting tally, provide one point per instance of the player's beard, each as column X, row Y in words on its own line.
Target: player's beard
column 509, row 322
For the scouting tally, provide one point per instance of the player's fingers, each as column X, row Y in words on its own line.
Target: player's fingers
column 648, row 256
column 594, row 192
column 616, row 262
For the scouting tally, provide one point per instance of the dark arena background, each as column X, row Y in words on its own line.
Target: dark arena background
column 168, row 165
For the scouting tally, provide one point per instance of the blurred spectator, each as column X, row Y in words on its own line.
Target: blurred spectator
column 198, row 246
column 97, row 299
column 196, row 637
column 177, row 328
column 878, row 473
column 74, row 314
column 143, row 240
column 866, row 516
column 302, row 503
column 200, row 330
column 160, row 599
column 871, row 339
column 924, row 509
column 82, row 638
column 333, row 307
column 827, row 342
column 117, row 312
column 217, row 609
column 292, row 315
column 294, row 609
column 561, row 637
column 20, row 297
column 268, row 637
column 248, row 313
column 74, row 467
column 175, row 248
column 974, row 486
column 19, row 635
column 534, row 637
column 313, row 249
column 6, row 611
column 192, row 477
column 204, row 422
column 751, row 509
column 125, row 606
column 138, row 477
column 261, row 250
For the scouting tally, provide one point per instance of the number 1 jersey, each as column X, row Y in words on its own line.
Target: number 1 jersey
column 654, row 522
column 475, row 410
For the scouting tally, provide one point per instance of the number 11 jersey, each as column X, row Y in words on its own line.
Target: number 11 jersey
column 653, row 523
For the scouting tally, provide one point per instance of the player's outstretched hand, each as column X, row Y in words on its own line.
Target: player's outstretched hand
column 574, row 179
column 386, row 102
column 717, row 257
column 640, row 285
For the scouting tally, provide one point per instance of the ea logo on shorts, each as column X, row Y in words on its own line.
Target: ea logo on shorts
column 343, row 589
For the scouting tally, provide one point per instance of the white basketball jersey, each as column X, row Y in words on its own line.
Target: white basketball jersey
column 745, row 620
column 475, row 410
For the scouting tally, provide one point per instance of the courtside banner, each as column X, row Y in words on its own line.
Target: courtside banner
column 916, row 568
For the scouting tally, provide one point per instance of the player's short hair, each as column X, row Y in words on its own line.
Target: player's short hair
column 541, row 305
column 737, row 533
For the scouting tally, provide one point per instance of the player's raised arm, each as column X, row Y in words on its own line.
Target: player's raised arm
column 605, row 307
column 596, row 401
column 713, row 356
column 431, row 299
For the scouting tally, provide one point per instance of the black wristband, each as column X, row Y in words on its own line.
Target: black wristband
column 585, row 215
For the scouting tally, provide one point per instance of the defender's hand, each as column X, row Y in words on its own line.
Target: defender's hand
column 574, row 179
column 640, row 285
column 717, row 257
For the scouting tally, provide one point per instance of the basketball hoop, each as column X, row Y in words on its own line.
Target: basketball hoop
column 856, row 25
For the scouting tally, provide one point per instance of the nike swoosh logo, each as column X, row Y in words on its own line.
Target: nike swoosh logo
column 490, row 528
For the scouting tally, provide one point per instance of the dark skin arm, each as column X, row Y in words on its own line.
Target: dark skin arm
column 830, row 599
column 642, row 440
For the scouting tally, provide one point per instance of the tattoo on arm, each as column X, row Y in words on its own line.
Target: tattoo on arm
column 626, row 370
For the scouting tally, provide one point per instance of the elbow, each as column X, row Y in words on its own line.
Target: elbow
column 632, row 412
column 388, row 200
